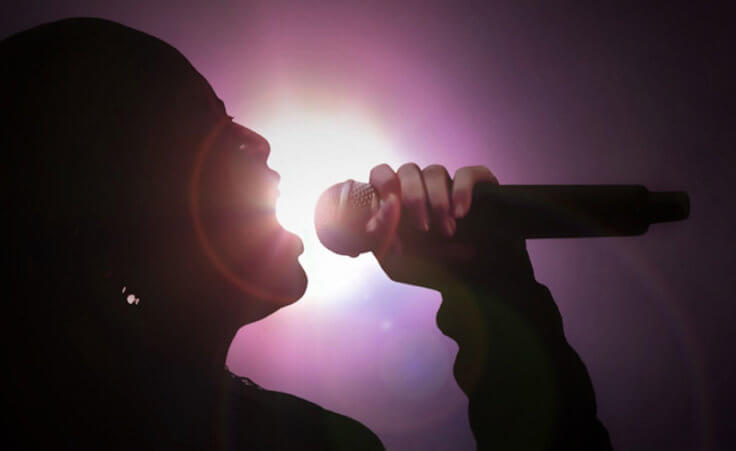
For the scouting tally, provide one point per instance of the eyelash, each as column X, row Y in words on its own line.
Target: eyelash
column 244, row 148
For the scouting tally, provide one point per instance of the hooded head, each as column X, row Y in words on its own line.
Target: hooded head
column 125, row 176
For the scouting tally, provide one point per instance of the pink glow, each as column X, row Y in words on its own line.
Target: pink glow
column 540, row 95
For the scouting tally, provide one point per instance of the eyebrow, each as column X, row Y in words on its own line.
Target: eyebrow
column 262, row 147
column 221, row 104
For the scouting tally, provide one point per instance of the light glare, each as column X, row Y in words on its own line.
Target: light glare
column 313, row 149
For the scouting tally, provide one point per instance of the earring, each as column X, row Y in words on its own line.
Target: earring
column 131, row 298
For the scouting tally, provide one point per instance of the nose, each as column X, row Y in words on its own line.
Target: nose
column 253, row 141
column 274, row 175
column 262, row 146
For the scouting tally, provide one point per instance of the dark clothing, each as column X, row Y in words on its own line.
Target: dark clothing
column 104, row 125
column 268, row 420
column 527, row 388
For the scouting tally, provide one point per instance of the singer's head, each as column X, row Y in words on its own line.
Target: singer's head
column 126, row 176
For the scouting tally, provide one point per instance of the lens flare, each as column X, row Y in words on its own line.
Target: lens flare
column 314, row 148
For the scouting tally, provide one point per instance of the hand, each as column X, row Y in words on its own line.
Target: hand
column 417, row 221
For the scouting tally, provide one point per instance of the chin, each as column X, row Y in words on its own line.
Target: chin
column 293, row 285
column 285, row 278
column 284, row 285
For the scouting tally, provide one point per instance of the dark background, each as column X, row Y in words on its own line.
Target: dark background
column 543, row 93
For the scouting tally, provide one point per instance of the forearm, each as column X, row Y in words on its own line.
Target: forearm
column 527, row 387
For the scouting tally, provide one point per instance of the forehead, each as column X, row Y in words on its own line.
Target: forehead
column 218, row 105
column 215, row 105
column 233, row 133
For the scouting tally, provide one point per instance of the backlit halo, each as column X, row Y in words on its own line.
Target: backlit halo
column 313, row 148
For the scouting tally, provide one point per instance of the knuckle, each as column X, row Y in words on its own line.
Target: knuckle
column 462, row 172
column 483, row 173
column 479, row 172
column 475, row 173
column 409, row 168
column 463, row 179
column 480, row 169
column 435, row 170
column 384, row 179
column 381, row 169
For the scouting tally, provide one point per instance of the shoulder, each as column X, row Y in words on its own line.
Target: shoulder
column 265, row 419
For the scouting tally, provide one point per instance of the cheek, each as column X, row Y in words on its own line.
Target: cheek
column 257, row 259
column 239, row 230
column 239, row 222
column 238, row 240
column 234, row 184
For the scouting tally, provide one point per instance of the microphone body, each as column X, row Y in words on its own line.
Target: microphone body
column 524, row 211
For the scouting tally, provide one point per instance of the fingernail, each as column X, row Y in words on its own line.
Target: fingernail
column 425, row 225
column 384, row 212
column 371, row 226
column 459, row 211
column 450, row 227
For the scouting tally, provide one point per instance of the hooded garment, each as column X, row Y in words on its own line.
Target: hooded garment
column 93, row 114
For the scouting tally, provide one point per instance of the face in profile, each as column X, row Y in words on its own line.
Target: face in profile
column 236, row 221
column 138, row 148
column 124, row 171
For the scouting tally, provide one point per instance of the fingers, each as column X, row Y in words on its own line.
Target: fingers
column 424, row 196
column 384, row 216
column 385, row 181
column 414, row 196
column 462, row 187
column 382, row 226
column 437, row 184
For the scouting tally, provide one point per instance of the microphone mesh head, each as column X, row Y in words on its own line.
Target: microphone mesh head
column 361, row 195
column 327, row 206
column 341, row 215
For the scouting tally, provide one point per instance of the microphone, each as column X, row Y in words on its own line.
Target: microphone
column 523, row 211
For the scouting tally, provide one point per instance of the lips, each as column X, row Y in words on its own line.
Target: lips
column 301, row 246
column 289, row 243
column 296, row 243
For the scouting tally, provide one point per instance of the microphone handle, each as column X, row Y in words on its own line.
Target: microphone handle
column 572, row 211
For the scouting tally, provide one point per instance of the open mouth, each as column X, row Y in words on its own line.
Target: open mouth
column 288, row 243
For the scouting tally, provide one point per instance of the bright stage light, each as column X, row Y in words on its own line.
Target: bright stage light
column 313, row 148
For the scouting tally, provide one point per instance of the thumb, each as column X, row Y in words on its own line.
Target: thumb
column 383, row 224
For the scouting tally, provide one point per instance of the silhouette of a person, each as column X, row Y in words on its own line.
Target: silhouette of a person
column 140, row 236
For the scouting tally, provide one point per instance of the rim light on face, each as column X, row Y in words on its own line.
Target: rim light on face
column 242, row 284
column 312, row 149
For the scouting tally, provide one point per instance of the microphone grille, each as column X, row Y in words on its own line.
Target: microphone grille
column 361, row 195
column 342, row 212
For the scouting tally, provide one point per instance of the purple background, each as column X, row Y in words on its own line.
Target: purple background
column 541, row 94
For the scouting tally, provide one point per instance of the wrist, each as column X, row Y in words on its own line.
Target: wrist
column 499, row 264
column 502, row 280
